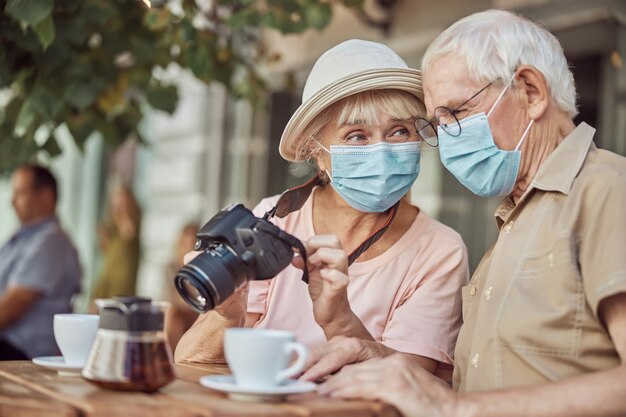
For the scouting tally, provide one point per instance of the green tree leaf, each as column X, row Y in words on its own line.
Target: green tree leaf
column 93, row 64
column 353, row 3
column 51, row 146
column 30, row 12
column 25, row 118
column 82, row 93
column 80, row 126
column 156, row 19
column 163, row 97
column 45, row 31
column 318, row 16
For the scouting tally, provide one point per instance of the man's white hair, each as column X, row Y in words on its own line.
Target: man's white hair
column 494, row 42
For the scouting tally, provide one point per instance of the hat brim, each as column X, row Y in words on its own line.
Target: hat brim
column 404, row 79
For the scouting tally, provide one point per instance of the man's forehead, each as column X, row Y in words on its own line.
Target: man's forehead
column 446, row 83
column 23, row 177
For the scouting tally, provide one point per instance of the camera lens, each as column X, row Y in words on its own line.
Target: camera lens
column 210, row 278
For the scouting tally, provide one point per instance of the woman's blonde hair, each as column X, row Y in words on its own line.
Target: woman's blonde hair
column 365, row 107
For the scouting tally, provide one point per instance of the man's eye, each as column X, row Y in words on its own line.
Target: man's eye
column 460, row 112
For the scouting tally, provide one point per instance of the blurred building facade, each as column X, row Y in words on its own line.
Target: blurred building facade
column 216, row 150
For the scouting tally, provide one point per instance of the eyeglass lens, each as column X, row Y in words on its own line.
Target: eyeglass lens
column 426, row 131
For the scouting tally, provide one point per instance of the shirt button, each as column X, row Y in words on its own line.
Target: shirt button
column 551, row 259
column 488, row 292
column 473, row 291
column 508, row 227
column 475, row 360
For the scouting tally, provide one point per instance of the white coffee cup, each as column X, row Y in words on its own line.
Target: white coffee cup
column 74, row 334
column 259, row 358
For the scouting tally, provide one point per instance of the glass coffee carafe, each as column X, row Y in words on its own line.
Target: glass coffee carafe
column 130, row 352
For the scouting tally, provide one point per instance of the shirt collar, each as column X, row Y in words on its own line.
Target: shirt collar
column 558, row 171
column 31, row 228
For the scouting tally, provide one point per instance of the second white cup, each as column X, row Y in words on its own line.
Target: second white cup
column 259, row 358
column 74, row 334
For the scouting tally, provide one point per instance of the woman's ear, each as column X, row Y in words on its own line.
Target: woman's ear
column 321, row 158
column 534, row 91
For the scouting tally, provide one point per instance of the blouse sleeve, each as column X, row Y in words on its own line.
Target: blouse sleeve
column 427, row 319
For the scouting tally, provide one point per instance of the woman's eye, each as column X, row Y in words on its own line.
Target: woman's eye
column 356, row 138
column 401, row 132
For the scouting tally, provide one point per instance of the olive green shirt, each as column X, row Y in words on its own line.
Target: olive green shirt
column 531, row 309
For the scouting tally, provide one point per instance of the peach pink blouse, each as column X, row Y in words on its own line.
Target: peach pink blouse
column 408, row 298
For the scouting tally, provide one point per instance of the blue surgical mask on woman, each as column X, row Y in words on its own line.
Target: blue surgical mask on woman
column 372, row 178
column 475, row 160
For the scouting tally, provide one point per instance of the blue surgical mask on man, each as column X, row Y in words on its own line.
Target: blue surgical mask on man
column 372, row 178
column 475, row 160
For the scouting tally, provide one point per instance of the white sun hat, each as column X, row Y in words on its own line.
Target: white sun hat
column 352, row 67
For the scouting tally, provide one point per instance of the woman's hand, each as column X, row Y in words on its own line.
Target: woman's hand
column 204, row 341
column 233, row 309
column 340, row 351
column 328, row 287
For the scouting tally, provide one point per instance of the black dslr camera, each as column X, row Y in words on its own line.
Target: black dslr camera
column 237, row 247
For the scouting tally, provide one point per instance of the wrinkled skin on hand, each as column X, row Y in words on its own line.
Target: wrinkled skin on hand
column 328, row 281
column 397, row 380
column 340, row 351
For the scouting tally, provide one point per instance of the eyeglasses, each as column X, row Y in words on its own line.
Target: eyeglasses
column 444, row 117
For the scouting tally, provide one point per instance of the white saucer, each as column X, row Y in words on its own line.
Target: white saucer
column 227, row 384
column 57, row 363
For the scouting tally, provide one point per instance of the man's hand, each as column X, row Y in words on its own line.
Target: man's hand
column 398, row 380
column 338, row 352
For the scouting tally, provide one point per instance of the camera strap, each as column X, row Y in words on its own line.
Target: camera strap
column 294, row 198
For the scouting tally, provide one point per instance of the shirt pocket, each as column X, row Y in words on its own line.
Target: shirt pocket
column 542, row 310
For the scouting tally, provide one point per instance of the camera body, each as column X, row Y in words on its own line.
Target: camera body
column 236, row 247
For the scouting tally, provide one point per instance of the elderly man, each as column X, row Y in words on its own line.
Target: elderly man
column 544, row 330
column 39, row 269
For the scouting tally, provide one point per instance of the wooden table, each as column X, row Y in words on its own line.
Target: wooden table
column 28, row 390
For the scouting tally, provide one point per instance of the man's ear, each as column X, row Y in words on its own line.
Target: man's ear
column 48, row 199
column 534, row 91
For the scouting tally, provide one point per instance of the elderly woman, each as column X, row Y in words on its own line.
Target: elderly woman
column 357, row 124
column 544, row 330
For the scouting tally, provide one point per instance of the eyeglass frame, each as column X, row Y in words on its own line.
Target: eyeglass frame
column 453, row 113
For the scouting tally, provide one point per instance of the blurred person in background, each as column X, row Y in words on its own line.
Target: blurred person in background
column 39, row 269
column 119, row 241
column 179, row 317
column 544, row 316
column 356, row 126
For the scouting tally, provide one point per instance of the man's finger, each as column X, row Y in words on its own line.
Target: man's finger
column 357, row 377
